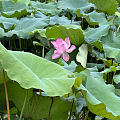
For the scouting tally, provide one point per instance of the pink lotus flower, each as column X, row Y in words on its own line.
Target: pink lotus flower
column 62, row 48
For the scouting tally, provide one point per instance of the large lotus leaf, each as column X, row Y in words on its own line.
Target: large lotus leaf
column 47, row 9
column 10, row 5
column 16, row 95
column 36, row 106
column 59, row 20
column 95, row 34
column 107, row 6
column 1, row 75
column 14, row 9
column 71, row 4
column 23, row 26
column 16, row 13
column 111, row 46
column 21, row 9
column 100, row 97
column 95, row 18
column 31, row 71
column 27, row 25
column 74, row 32
column 56, row 20
column 7, row 25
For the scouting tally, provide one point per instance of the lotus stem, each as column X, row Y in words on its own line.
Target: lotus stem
column 71, row 110
column 23, row 106
column 6, row 94
column 50, row 107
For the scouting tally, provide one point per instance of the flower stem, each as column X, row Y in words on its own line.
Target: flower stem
column 23, row 106
column 50, row 107
column 71, row 110
column 6, row 93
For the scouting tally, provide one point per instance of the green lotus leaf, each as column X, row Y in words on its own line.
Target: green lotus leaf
column 107, row 6
column 71, row 4
column 95, row 34
column 59, row 20
column 24, row 26
column 15, row 9
column 31, row 71
column 10, row 5
column 47, row 9
column 111, row 46
column 17, row 14
column 36, row 106
column 74, row 32
column 100, row 97
column 95, row 18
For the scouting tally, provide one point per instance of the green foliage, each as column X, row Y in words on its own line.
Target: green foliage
column 71, row 4
column 76, row 37
column 33, row 76
column 100, row 97
column 95, row 34
column 107, row 6
column 35, row 108
column 47, row 9
column 111, row 46
column 82, row 88
column 94, row 18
